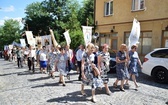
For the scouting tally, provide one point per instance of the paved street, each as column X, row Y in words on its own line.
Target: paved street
column 20, row 87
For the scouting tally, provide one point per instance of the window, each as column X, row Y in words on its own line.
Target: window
column 111, row 39
column 160, row 53
column 138, row 5
column 108, row 8
column 145, row 40
column 105, row 40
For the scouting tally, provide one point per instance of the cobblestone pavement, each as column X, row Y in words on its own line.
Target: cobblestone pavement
column 20, row 87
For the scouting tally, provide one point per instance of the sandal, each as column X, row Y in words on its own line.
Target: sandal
column 83, row 93
column 114, row 85
column 68, row 77
column 108, row 93
column 93, row 99
column 122, row 90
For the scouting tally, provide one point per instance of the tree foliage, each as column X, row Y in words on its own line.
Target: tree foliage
column 37, row 19
column 9, row 32
column 60, row 15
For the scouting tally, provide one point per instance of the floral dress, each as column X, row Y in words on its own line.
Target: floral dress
column 52, row 58
column 133, row 66
column 92, row 80
column 61, row 64
column 121, row 68
column 105, row 62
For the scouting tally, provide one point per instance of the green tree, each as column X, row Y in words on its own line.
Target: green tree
column 37, row 19
column 9, row 32
column 57, row 10
column 73, row 24
column 87, row 11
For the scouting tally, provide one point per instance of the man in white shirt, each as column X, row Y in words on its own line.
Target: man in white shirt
column 79, row 55
column 31, row 58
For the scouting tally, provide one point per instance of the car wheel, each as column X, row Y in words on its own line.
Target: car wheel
column 160, row 75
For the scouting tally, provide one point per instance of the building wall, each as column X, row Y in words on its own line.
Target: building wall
column 155, row 9
column 153, row 18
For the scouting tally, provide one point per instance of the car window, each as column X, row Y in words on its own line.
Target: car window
column 163, row 53
column 113, row 55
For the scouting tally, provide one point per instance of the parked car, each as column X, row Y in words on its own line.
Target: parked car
column 156, row 64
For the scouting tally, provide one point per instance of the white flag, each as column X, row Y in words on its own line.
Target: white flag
column 23, row 43
column 67, row 37
column 30, row 39
column 87, row 33
column 135, row 34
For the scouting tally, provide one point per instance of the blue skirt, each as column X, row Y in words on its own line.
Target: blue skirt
column 43, row 64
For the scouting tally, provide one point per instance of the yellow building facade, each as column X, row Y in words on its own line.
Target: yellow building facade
column 114, row 20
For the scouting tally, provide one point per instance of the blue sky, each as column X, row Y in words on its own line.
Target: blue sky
column 14, row 9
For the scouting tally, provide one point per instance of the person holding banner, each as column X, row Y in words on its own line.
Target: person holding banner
column 121, row 66
column 90, row 73
column 31, row 58
column 51, row 61
column 103, row 65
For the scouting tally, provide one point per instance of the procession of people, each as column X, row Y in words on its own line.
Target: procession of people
column 93, row 64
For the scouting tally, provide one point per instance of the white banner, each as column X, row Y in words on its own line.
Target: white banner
column 135, row 34
column 87, row 33
column 46, row 40
column 6, row 47
column 23, row 43
column 30, row 39
column 10, row 46
column 67, row 37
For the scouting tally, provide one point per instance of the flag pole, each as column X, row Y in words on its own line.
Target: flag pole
column 53, row 38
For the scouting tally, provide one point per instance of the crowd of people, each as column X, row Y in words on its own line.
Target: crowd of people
column 92, row 64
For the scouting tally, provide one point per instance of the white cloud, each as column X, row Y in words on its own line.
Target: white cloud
column 1, row 22
column 8, row 9
column 19, row 19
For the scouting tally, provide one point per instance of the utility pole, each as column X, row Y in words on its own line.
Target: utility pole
column 87, row 21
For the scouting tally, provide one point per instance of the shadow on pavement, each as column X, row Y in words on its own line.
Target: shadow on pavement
column 72, row 97
column 148, row 80
column 14, row 73
column 40, row 78
column 46, row 84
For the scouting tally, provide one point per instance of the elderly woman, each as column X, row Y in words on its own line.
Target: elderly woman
column 133, row 65
column 62, row 65
column 90, row 73
column 103, row 65
column 121, row 66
